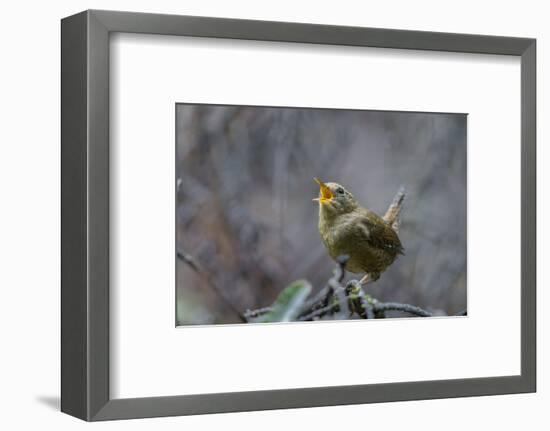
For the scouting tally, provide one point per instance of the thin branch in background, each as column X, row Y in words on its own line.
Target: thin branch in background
column 190, row 260
column 252, row 314
column 195, row 266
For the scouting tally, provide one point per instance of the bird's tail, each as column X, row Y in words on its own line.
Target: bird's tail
column 392, row 214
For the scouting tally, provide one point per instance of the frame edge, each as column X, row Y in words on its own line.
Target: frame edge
column 74, row 306
column 280, row 31
column 529, row 217
column 85, row 216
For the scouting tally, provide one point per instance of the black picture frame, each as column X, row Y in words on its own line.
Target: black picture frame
column 85, row 214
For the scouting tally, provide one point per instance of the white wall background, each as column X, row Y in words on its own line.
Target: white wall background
column 29, row 216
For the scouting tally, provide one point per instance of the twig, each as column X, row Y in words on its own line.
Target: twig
column 252, row 314
column 190, row 260
column 335, row 284
column 320, row 312
column 323, row 297
column 195, row 266
column 369, row 309
column 318, row 300
column 396, row 306
column 359, row 301
column 321, row 303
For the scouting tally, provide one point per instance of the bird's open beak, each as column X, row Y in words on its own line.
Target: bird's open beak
column 326, row 193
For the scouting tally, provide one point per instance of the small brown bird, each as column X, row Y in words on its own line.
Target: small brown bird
column 346, row 228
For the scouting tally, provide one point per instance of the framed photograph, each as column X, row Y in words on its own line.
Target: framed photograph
column 264, row 215
column 246, row 225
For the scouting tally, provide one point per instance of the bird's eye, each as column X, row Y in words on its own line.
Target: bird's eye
column 340, row 190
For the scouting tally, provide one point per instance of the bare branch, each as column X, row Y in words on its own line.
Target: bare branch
column 320, row 312
column 195, row 266
column 407, row 308
column 252, row 314
column 335, row 284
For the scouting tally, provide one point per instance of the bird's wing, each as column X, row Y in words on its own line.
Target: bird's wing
column 379, row 234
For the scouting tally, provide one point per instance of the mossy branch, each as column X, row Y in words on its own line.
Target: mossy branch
column 337, row 301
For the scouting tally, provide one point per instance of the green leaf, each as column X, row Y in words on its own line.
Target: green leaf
column 289, row 303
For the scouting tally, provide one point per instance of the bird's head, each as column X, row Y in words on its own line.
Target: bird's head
column 334, row 199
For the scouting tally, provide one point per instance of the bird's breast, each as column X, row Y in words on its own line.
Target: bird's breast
column 343, row 236
column 335, row 235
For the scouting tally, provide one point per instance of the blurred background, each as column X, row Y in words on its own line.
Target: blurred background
column 245, row 214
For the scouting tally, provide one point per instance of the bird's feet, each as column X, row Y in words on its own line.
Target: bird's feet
column 369, row 278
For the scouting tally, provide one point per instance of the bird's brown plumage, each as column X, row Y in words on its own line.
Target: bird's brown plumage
column 346, row 228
